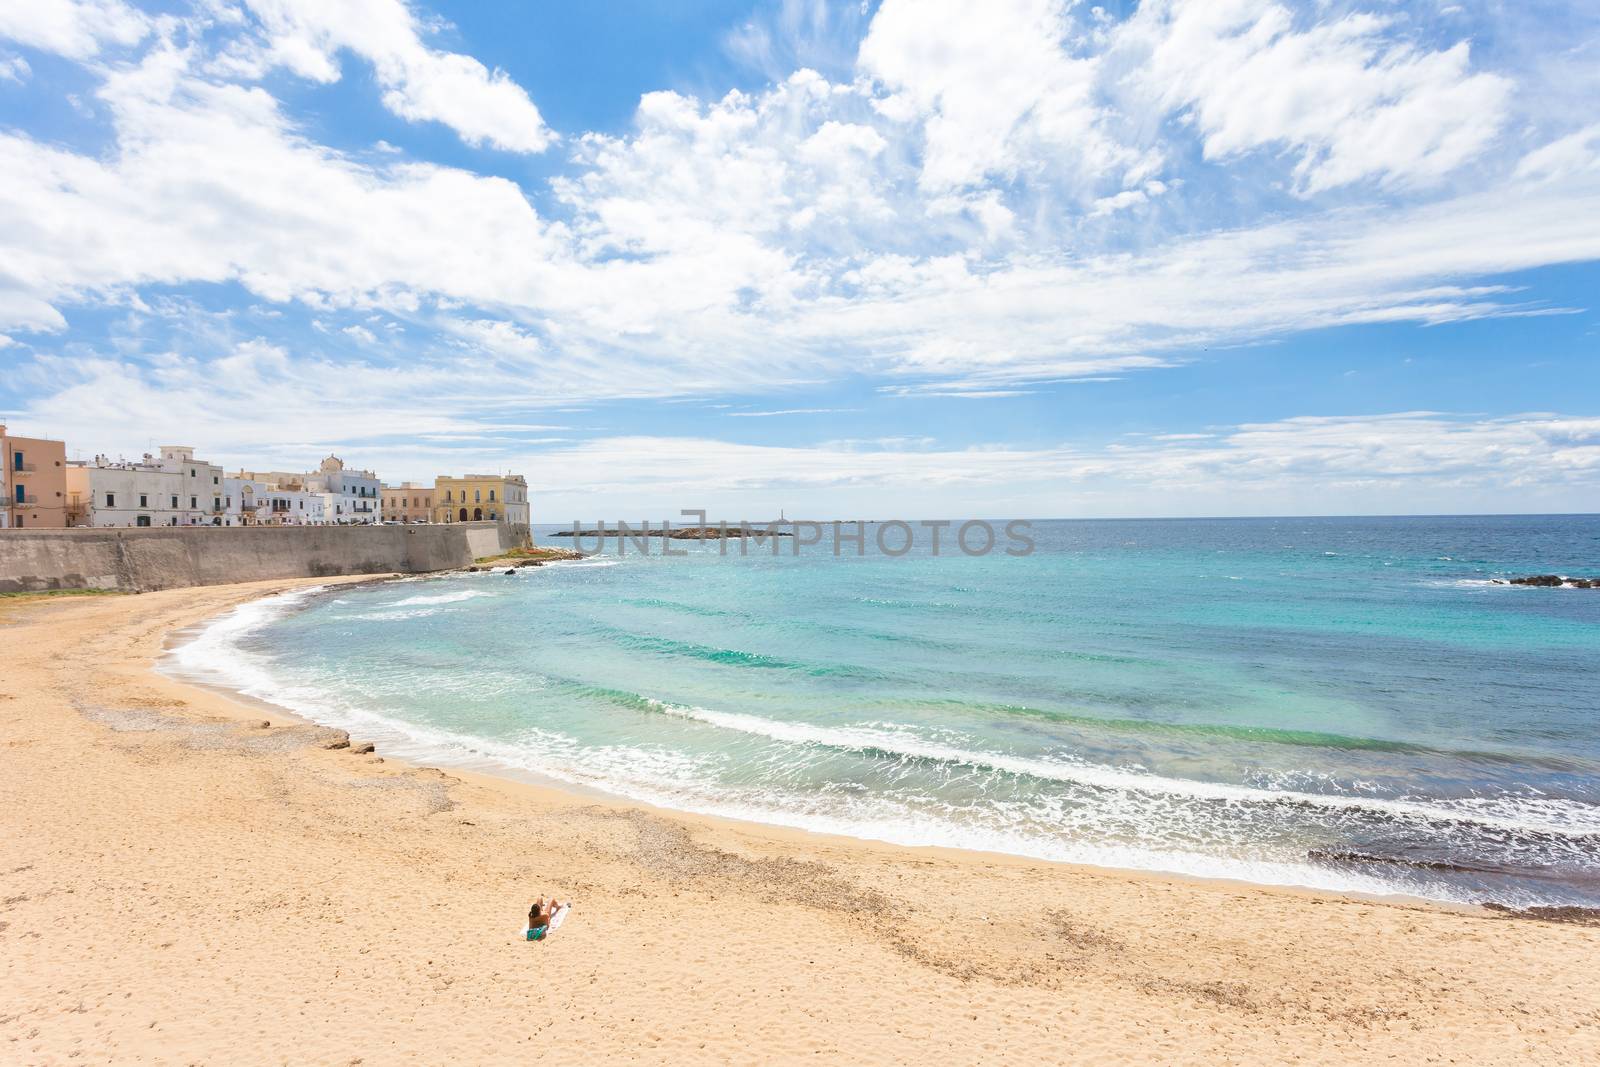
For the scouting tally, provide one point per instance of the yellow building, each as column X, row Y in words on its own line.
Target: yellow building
column 481, row 498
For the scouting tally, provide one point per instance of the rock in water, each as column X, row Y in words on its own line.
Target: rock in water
column 1555, row 580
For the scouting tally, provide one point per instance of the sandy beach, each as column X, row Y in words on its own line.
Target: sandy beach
column 180, row 883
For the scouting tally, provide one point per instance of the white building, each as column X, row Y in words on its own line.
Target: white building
column 253, row 500
column 349, row 496
column 332, row 494
column 291, row 507
column 173, row 490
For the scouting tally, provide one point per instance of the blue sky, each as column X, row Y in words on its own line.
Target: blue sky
column 929, row 259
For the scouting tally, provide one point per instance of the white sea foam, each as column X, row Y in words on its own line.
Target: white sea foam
column 1553, row 817
column 454, row 597
column 213, row 655
column 394, row 615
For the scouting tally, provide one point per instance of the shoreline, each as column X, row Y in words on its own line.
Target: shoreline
column 397, row 743
column 494, row 773
column 1054, row 952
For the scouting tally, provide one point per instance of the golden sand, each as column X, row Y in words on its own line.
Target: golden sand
column 179, row 884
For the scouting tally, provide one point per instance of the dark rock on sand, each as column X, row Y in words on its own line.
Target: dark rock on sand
column 361, row 748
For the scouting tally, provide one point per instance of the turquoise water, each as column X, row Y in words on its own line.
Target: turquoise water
column 1344, row 703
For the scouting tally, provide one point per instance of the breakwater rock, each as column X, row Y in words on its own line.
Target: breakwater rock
column 1551, row 580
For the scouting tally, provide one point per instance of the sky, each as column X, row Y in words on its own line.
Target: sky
column 886, row 259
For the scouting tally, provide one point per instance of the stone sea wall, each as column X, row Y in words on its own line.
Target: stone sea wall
column 144, row 559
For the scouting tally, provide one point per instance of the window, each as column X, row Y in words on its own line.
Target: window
column 22, row 497
column 16, row 461
column 491, row 496
column 142, row 520
column 144, row 503
column 111, row 500
column 174, row 504
column 194, row 502
column 477, row 496
column 191, row 472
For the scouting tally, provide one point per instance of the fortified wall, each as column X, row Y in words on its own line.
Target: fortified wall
column 143, row 559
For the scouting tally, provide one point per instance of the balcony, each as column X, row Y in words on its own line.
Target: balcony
column 24, row 498
column 25, row 468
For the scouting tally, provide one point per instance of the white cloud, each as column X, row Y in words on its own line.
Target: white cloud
column 993, row 87
column 1405, row 462
column 957, row 221
column 361, row 334
column 15, row 69
column 1351, row 101
column 721, row 247
column 77, row 29
column 419, row 83
column 212, row 183
column 1566, row 157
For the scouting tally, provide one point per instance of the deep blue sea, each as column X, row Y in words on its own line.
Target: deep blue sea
column 1348, row 703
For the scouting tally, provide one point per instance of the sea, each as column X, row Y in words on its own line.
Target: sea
column 1351, row 704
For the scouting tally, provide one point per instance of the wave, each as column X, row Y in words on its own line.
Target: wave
column 1257, row 735
column 441, row 598
column 212, row 655
column 1555, row 817
column 396, row 615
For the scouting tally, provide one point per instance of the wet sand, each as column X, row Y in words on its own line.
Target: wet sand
column 181, row 884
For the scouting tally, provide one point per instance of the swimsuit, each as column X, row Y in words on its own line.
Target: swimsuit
column 536, row 933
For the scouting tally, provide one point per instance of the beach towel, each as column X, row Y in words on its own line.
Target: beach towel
column 559, row 917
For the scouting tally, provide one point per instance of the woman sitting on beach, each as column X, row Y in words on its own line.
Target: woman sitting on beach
column 545, row 916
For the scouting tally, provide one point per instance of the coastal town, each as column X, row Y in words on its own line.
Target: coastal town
column 41, row 489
